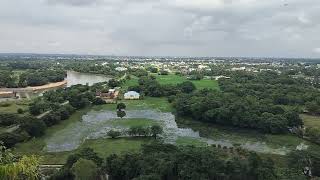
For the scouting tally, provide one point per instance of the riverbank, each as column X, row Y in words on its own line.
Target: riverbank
column 36, row 88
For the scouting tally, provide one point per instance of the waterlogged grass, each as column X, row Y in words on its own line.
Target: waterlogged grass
column 188, row 141
column 241, row 136
column 102, row 146
column 36, row 145
column 133, row 122
column 311, row 121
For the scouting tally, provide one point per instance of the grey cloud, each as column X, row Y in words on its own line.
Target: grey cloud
column 162, row 27
column 74, row 2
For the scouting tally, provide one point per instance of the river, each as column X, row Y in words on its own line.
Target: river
column 75, row 78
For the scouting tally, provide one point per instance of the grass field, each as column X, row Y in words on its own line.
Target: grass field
column 175, row 79
column 132, row 82
column 133, row 122
column 311, row 121
column 160, row 104
column 13, row 106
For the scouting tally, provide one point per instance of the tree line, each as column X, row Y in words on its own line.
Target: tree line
column 158, row 161
column 10, row 79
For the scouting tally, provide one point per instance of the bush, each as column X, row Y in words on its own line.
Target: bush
column 85, row 169
column 34, row 127
column 9, row 119
column 98, row 101
column 114, row 134
column 20, row 111
column 121, row 106
column 10, row 139
column 5, row 104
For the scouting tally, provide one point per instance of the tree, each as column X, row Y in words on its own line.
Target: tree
column 84, row 169
column 114, row 134
column 155, row 130
column 20, row 111
column 12, row 167
column 34, row 127
column 113, row 83
column 313, row 107
column 10, row 139
column 121, row 106
column 187, row 87
column 121, row 114
column 98, row 101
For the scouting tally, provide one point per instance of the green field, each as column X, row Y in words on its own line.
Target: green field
column 311, row 121
column 133, row 122
column 131, row 82
column 13, row 106
column 160, row 104
column 175, row 79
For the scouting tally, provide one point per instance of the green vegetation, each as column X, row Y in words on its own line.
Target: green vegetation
column 13, row 106
column 242, row 136
column 133, row 81
column 133, row 122
column 13, row 167
column 176, row 79
column 311, row 121
column 106, row 147
column 155, row 103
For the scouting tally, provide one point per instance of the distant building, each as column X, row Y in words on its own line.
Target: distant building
column 111, row 94
column 121, row 69
column 238, row 69
column 132, row 95
column 7, row 94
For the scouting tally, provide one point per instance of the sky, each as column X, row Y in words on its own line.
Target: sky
column 248, row 28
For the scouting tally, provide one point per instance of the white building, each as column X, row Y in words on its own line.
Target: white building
column 121, row 69
column 132, row 95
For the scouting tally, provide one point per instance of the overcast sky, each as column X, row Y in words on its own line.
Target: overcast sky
column 272, row 28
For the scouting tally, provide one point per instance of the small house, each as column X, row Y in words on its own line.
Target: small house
column 132, row 95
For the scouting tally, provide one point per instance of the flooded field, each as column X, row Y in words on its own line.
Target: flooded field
column 96, row 124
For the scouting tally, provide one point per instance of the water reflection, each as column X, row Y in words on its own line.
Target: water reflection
column 75, row 78
column 95, row 125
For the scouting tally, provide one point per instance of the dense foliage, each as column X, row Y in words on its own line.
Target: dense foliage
column 230, row 109
column 18, row 168
column 30, row 78
column 274, row 88
column 149, row 86
column 167, row 162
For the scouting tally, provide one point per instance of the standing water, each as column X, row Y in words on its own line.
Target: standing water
column 96, row 125
column 75, row 78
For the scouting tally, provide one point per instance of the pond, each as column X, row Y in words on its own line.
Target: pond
column 75, row 78
column 96, row 124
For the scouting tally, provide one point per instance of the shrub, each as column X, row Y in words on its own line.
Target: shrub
column 114, row 134
column 20, row 111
